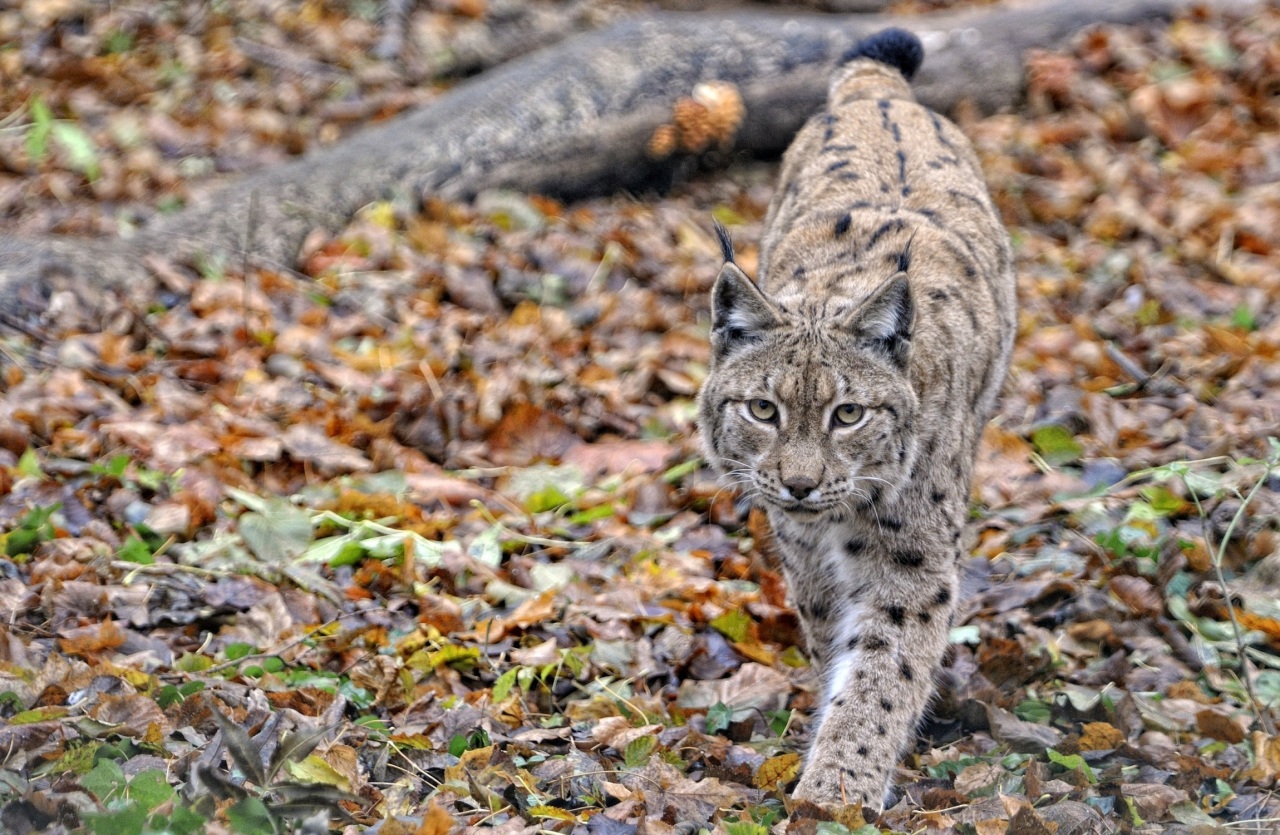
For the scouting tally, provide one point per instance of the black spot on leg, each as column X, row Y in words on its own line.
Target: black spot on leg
column 842, row 225
column 837, row 165
column 925, row 617
column 907, row 672
column 890, row 523
column 839, row 702
column 896, row 614
column 908, row 559
column 874, row 643
column 938, row 496
column 943, row 597
column 862, row 750
column 886, row 705
column 854, row 547
column 853, row 643
column 880, row 730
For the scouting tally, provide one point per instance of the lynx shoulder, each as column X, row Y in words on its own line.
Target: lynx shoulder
column 849, row 388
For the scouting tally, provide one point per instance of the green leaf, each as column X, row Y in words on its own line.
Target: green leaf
column 744, row 828
column 185, row 821
column 734, row 624
column 638, row 751
column 506, row 681
column 778, row 721
column 150, row 789
column 136, row 551
column 679, row 471
column 127, row 821
column 1242, row 317
column 38, row 133
column 250, row 816
column 719, row 715
column 82, row 153
column 1033, row 710
column 239, row 650
column 167, row 696
column 1073, row 762
column 547, row 498
column 35, row 527
column 458, row 745
column 833, row 828
column 29, row 464
column 1055, row 444
column 593, row 514
column 106, row 782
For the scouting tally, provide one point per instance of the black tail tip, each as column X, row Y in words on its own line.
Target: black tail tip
column 726, row 242
column 895, row 47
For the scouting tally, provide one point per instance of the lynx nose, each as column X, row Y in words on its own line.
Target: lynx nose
column 800, row 486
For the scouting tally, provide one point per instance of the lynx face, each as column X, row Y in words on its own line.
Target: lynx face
column 811, row 412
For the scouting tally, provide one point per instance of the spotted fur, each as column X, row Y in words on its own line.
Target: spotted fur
column 886, row 295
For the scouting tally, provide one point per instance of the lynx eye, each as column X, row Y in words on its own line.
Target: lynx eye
column 847, row 414
column 762, row 410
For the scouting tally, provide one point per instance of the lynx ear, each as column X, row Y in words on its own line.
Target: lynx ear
column 884, row 321
column 739, row 311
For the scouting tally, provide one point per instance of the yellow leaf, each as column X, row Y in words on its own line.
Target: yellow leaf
column 756, row 651
column 315, row 770
column 552, row 813
column 776, row 772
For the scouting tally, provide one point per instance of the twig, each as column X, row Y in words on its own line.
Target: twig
column 1127, row 365
column 1219, row 553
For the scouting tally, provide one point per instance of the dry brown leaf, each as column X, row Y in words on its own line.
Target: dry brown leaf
column 1213, row 724
column 130, row 715
column 1138, row 594
column 1152, row 800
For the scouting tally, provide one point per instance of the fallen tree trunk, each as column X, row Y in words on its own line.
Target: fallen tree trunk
column 572, row 120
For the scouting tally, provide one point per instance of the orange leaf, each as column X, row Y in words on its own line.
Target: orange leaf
column 776, row 772
column 437, row 821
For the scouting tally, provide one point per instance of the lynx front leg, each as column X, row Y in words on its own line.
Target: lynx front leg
column 875, row 689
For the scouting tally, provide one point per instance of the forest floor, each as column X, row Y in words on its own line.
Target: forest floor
column 421, row 530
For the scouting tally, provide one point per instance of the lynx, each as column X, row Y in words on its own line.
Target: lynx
column 848, row 391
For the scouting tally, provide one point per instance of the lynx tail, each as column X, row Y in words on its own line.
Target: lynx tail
column 896, row 48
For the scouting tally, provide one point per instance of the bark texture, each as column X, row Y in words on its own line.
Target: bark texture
column 571, row 120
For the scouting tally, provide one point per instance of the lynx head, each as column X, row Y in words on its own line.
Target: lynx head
column 808, row 405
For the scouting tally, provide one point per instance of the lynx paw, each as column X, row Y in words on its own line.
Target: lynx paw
column 830, row 784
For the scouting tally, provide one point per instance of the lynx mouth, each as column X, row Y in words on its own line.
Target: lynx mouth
column 805, row 508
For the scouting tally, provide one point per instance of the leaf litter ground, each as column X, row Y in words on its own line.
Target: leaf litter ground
column 426, row 522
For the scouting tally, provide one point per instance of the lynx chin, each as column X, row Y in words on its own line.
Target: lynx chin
column 848, row 390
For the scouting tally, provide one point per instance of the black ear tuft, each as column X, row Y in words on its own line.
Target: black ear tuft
column 894, row 47
column 884, row 321
column 726, row 242
column 904, row 256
